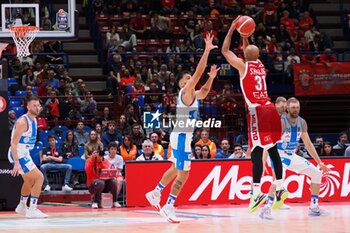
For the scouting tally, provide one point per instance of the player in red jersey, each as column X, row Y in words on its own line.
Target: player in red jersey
column 264, row 124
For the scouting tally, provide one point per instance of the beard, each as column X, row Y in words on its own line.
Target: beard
column 33, row 112
column 294, row 115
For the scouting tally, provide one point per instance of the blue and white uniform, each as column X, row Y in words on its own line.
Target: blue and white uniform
column 25, row 144
column 290, row 140
column 181, row 136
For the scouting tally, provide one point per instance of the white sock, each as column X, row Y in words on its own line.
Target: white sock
column 256, row 188
column 24, row 200
column 314, row 201
column 33, row 203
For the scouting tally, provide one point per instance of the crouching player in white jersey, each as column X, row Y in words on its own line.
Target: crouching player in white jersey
column 294, row 127
column 23, row 139
column 187, row 108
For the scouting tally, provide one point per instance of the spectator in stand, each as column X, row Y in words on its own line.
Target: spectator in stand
column 41, row 121
column 69, row 147
column 122, row 125
column 148, row 154
column 51, row 47
column 341, row 146
column 29, row 78
column 115, row 162
column 197, row 38
column 227, row 101
column 261, row 43
column 138, row 25
column 308, row 59
column 160, row 25
column 327, row 58
column 295, row 10
column 190, row 22
column 112, row 39
column 137, row 89
column 114, row 77
column 53, row 81
column 306, row 22
column 106, row 117
column 291, row 59
column 272, row 48
column 205, row 152
column 128, row 149
column 98, row 6
column 316, row 45
column 61, row 87
column 347, row 152
column 52, row 104
column 80, row 134
column 204, row 140
column 278, row 62
column 153, row 89
column 131, row 115
column 89, row 105
column 170, row 84
column 302, row 45
column 96, row 186
column 270, row 14
column 126, row 80
column 288, row 22
column 12, row 119
column 157, row 148
column 53, row 160
column 128, row 39
column 113, row 7
column 311, row 33
column 327, row 149
column 111, row 135
column 238, row 153
column 98, row 129
column 319, row 141
column 93, row 144
column 137, row 135
column 197, row 152
column 224, row 153
column 168, row 7
column 172, row 48
column 208, row 28
column 283, row 38
column 163, row 75
column 153, row 69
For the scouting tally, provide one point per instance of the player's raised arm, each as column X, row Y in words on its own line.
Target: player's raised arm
column 203, row 92
column 229, row 55
column 20, row 128
column 191, row 84
column 311, row 149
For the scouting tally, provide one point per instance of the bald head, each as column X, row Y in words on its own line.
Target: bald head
column 251, row 53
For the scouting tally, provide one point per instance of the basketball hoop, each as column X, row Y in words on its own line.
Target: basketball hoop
column 23, row 36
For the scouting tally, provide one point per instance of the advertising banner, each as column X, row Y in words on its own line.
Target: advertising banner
column 322, row 80
column 229, row 182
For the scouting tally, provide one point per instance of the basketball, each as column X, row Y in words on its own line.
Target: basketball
column 245, row 26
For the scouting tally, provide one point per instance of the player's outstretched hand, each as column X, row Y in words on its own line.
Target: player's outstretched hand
column 234, row 23
column 324, row 168
column 209, row 42
column 213, row 71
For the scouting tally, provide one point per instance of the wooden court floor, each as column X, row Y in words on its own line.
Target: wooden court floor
column 215, row 218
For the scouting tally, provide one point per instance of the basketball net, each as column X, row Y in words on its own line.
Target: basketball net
column 23, row 36
column 2, row 47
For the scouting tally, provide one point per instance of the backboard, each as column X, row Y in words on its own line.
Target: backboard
column 56, row 21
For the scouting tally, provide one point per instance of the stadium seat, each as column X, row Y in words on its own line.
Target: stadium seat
column 21, row 93
column 77, row 163
column 15, row 103
column 59, row 130
column 35, row 153
column 81, row 150
column 141, row 101
column 9, row 93
column 35, row 90
column 19, row 111
column 43, row 137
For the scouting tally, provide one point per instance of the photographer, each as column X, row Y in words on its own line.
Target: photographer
column 97, row 186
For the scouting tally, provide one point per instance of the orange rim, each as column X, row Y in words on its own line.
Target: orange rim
column 21, row 31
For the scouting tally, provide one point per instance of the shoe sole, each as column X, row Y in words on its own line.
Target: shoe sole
column 254, row 208
column 157, row 207
column 278, row 204
column 37, row 216
column 164, row 215
column 265, row 217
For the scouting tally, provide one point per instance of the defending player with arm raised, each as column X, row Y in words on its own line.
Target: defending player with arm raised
column 263, row 131
column 187, row 107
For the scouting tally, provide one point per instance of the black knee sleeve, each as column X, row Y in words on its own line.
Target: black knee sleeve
column 276, row 159
column 256, row 157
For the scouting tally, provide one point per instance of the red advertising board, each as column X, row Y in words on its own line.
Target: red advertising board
column 319, row 79
column 229, row 182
